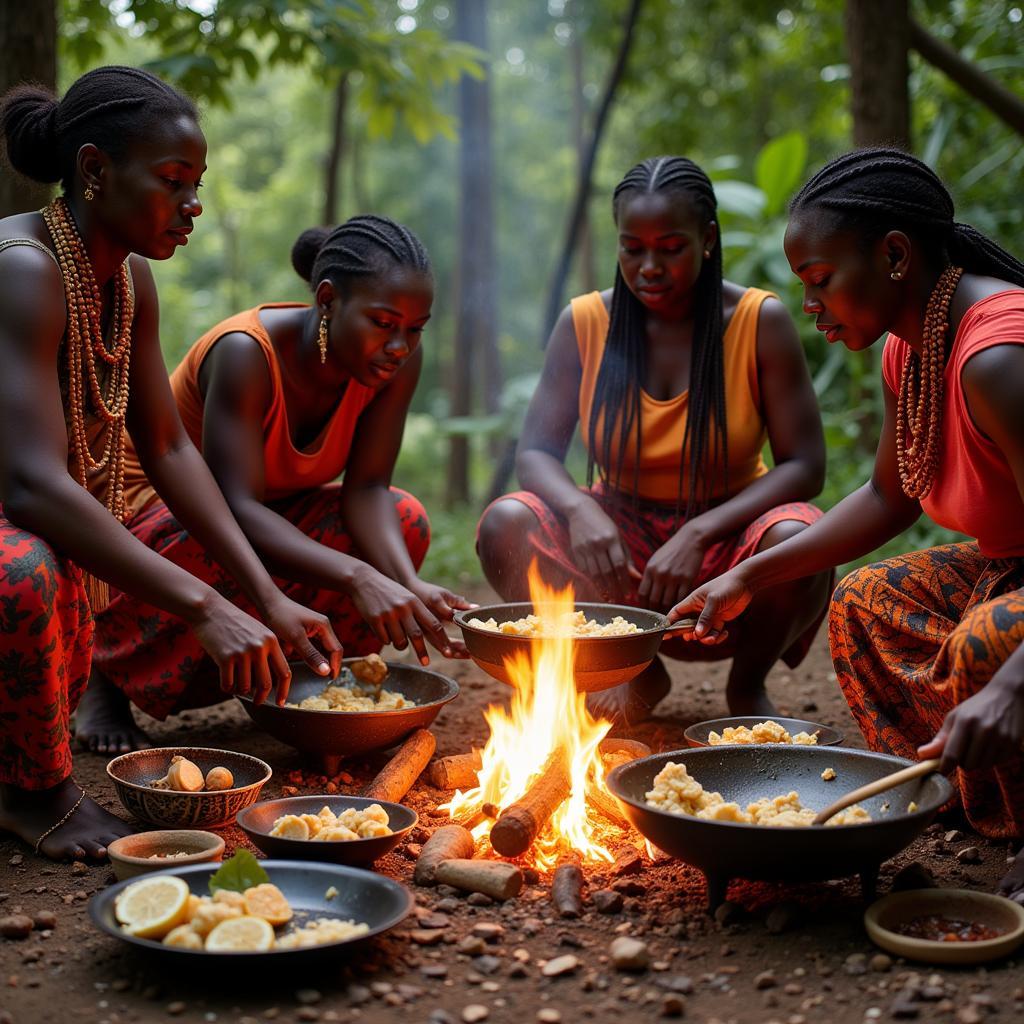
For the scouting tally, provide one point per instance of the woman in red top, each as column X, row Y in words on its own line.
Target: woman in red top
column 927, row 646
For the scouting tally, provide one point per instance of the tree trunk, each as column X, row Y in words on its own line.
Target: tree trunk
column 332, row 167
column 28, row 42
column 476, row 298
column 585, row 243
column 1007, row 106
column 579, row 206
column 877, row 39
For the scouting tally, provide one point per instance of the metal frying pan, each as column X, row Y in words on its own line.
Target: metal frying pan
column 601, row 661
column 725, row 850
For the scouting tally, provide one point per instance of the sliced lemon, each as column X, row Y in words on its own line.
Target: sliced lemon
column 241, row 935
column 268, row 902
column 151, row 907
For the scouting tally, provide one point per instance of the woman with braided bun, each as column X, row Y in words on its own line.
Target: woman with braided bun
column 82, row 365
column 281, row 400
column 677, row 379
column 927, row 646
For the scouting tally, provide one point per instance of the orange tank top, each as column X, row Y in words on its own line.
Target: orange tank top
column 286, row 469
column 974, row 491
column 662, row 460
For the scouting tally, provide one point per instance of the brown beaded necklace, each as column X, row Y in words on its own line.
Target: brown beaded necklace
column 919, row 409
column 85, row 344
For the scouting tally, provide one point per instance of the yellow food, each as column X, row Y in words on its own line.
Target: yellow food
column 268, row 902
column 349, row 698
column 219, row 778
column 152, row 907
column 320, row 931
column 574, row 624
column 291, row 826
column 184, row 937
column 828, row 774
column 763, row 732
column 209, row 914
column 231, row 898
column 241, row 935
column 677, row 792
column 328, row 827
column 371, row 669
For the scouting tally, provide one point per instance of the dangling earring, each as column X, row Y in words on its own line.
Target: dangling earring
column 88, row 195
column 707, row 254
column 896, row 275
column 322, row 339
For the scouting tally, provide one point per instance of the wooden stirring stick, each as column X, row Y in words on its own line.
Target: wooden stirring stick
column 915, row 771
column 679, row 628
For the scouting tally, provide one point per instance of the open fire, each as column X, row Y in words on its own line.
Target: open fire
column 541, row 772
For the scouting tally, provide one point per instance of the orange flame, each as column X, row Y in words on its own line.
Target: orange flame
column 546, row 714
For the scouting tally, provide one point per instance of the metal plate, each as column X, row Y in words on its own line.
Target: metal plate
column 362, row 896
column 697, row 734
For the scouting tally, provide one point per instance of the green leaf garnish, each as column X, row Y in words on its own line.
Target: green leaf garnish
column 240, row 872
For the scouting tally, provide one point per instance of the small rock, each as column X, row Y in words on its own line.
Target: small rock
column 345, row 778
column 440, row 1016
column 16, row 860
column 474, row 1013
column 488, row 931
column 16, row 926
column 728, row 912
column 673, row 1005
column 549, row 1015
column 968, row 1015
column 782, row 918
column 426, row 936
column 954, row 835
column 359, row 994
column 969, row 855
column 629, row 954
column 434, row 920
column 471, row 945
column 176, row 1008
column 560, row 965
column 448, row 905
column 904, row 1008
column 856, row 963
column 914, row 876
column 766, row 979
column 606, row 901
column 680, row 983
column 487, row 964
column 629, row 862
column 44, row 920
column 434, row 971
column 308, row 1013
column 880, row 962
column 629, row 887
column 78, row 868
column 308, row 996
column 479, row 899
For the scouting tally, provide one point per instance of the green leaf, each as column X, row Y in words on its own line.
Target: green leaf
column 740, row 198
column 778, row 169
column 241, row 872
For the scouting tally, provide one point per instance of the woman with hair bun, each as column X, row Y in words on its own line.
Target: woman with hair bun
column 928, row 646
column 82, row 366
column 677, row 379
column 281, row 400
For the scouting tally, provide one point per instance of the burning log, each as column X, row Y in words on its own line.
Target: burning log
column 457, row 771
column 397, row 776
column 494, row 878
column 470, row 821
column 604, row 802
column 521, row 823
column 452, row 842
column 567, row 890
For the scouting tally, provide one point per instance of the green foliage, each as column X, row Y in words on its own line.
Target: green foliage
column 240, row 872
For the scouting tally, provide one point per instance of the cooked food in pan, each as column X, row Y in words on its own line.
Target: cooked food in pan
column 764, row 732
column 576, row 623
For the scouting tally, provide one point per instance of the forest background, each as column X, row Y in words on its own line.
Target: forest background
column 497, row 129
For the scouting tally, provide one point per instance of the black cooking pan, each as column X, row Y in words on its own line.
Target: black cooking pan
column 601, row 661
column 725, row 850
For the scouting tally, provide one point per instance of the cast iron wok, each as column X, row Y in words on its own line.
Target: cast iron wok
column 601, row 661
column 332, row 735
column 725, row 850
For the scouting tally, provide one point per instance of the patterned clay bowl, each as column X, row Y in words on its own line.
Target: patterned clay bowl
column 143, row 852
column 133, row 773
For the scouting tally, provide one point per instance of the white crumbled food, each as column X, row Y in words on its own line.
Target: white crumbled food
column 828, row 774
column 573, row 623
column 912, row 806
column 676, row 792
column 354, row 698
column 326, row 826
column 764, row 732
column 320, row 932
column 332, row 891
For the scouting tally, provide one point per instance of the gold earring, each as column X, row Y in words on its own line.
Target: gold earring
column 322, row 339
column 896, row 275
column 88, row 195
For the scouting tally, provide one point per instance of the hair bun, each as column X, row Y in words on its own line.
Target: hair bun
column 306, row 249
column 28, row 115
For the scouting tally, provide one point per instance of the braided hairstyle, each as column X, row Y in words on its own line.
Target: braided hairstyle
column 362, row 246
column 875, row 191
column 616, row 405
column 111, row 107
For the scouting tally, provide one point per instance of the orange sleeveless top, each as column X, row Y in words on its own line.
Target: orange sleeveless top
column 974, row 491
column 286, row 469
column 662, row 460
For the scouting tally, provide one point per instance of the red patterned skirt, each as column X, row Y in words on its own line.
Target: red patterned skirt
column 914, row 636
column 156, row 659
column 46, row 633
column 644, row 529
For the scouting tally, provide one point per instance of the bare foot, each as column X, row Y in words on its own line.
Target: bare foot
column 1011, row 885
column 750, row 702
column 104, row 722
column 84, row 836
column 634, row 701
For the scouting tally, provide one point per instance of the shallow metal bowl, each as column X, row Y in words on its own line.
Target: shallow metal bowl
column 601, row 661
column 725, row 850
column 697, row 734
column 257, row 821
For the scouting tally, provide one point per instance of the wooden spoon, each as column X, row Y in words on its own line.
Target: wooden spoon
column 679, row 628
column 915, row 771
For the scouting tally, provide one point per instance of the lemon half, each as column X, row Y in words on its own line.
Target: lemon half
column 152, row 907
column 241, row 935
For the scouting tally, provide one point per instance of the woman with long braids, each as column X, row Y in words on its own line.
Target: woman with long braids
column 81, row 365
column 927, row 646
column 677, row 378
column 282, row 399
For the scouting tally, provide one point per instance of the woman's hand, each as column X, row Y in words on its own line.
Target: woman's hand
column 671, row 570
column 248, row 654
column 985, row 729
column 717, row 602
column 597, row 548
column 399, row 616
column 444, row 604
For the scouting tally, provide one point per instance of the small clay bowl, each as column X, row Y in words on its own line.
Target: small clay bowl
column 983, row 908
column 697, row 734
column 133, row 773
column 257, row 821
column 166, row 848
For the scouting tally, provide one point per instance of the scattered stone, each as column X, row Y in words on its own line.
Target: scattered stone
column 968, row 1015
column 434, row 920
column 549, row 1015
column 487, row 964
column 856, row 963
column 359, row 994
column 16, row 926
column 969, row 855
column 673, row 1005
column 471, row 945
column 79, row 868
column 474, row 1013
column 44, row 920
column 914, row 876
column 782, row 918
column 766, row 979
column 729, row 912
column 629, row 954
column 306, row 1013
column 629, row 887
column 308, row 996
column 680, row 983
column 904, row 1008
column 176, row 1008
column 434, row 971
column 629, row 862
column 560, row 965
column 427, row 936
column 880, row 962
column 479, row 899
column 570, row 939
column 489, row 931
column 607, row 901
column 954, row 835
column 16, row 860
column 441, row 1017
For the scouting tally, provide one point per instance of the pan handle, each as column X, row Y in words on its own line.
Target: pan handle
column 682, row 627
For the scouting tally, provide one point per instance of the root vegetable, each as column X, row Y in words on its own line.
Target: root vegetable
column 182, row 775
column 219, row 778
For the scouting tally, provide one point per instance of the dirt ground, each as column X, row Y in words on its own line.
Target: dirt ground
column 819, row 967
